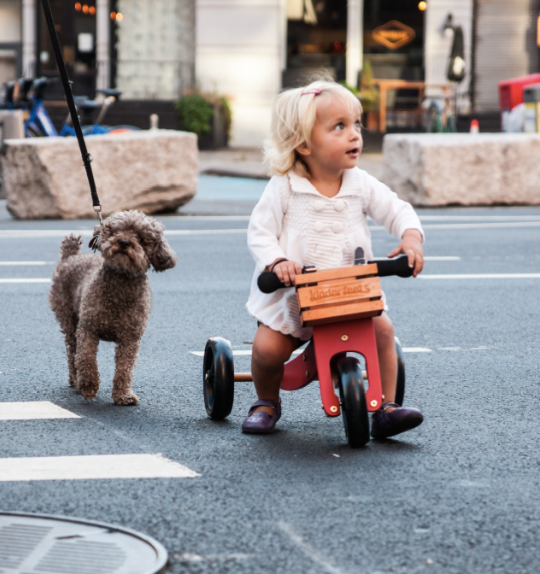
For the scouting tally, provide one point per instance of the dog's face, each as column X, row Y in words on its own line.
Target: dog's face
column 131, row 242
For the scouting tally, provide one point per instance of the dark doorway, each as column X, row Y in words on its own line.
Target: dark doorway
column 76, row 29
column 316, row 40
column 405, row 62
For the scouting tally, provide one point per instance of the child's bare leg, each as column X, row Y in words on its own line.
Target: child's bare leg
column 386, row 349
column 390, row 420
column 271, row 350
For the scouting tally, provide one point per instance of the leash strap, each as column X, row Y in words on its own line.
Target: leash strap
column 86, row 157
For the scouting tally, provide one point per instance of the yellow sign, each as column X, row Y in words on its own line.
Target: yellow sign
column 393, row 34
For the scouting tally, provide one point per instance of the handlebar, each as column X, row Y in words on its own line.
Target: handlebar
column 268, row 281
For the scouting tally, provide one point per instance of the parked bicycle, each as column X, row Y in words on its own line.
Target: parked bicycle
column 27, row 94
column 88, row 106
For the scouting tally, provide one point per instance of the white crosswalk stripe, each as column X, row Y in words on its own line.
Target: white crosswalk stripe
column 88, row 467
column 21, row 280
column 33, row 410
column 92, row 467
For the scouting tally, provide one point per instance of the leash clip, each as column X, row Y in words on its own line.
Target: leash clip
column 97, row 209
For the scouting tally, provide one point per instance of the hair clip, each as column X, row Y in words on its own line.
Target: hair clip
column 315, row 91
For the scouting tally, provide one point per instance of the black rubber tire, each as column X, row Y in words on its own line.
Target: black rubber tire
column 353, row 402
column 218, row 378
column 400, row 386
column 33, row 133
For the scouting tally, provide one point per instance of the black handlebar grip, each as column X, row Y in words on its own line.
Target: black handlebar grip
column 399, row 267
column 268, row 282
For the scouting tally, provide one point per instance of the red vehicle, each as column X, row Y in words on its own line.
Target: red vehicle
column 511, row 93
column 340, row 305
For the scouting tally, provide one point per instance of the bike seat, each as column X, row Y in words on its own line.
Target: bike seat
column 110, row 92
column 86, row 105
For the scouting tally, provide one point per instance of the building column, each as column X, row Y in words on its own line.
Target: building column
column 355, row 40
column 29, row 38
column 103, row 44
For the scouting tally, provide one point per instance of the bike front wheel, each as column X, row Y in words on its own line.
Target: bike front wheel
column 353, row 402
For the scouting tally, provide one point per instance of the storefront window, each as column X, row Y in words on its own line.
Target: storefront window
column 394, row 38
column 316, row 40
column 76, row 29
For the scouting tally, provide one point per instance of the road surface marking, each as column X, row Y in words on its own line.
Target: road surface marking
column 203, row 231
column 208, row 218
column 416, row 350
column 25, row 280
column 243, row 352
column 248, row 352
column 492, row 225
column 34, row 410
column 47, row 233
column 211, row 557
column 309, row 551
column 41, row 233
column 93, row 467
column 476, row 217
column 27, row 262
column 484, row 276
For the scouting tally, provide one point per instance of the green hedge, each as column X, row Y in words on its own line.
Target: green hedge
column 195, row 113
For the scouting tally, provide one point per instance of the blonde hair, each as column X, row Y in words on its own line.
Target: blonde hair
column 293, row 118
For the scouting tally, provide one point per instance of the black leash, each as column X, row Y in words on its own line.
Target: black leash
column 86, row 157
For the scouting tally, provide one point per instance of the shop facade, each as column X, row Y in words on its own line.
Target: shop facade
column 144, row 47
column 11, row 45
column 249, row 50
column 506, row 40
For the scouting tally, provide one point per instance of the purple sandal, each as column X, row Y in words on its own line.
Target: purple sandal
column 261, row 422
column 386, row 424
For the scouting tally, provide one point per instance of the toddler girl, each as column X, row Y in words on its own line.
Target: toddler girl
column 313, row 212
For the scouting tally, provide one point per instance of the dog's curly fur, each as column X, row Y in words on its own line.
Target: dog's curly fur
column 107, row 297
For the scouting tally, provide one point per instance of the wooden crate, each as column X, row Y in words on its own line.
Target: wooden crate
column 339, row 294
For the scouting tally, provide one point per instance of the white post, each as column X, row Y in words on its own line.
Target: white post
column 103, row 44
column 355, row 40
column 29, row 38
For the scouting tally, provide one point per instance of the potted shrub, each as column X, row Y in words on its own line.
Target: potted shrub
column 208, row 116
column 369, row 96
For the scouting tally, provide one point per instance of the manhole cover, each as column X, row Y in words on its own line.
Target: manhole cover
column 40, row 544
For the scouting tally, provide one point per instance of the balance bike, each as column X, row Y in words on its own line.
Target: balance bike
column 340, row 305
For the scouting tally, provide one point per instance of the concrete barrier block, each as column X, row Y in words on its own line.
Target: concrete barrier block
column 147, row 170
column 463, row 169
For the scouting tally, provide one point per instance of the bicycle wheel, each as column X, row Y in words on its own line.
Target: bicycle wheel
column 218, row 378
column 33, row 132
column 353, row 402
column 400, row 386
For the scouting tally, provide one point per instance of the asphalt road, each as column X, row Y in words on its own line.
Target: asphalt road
column 458, row 495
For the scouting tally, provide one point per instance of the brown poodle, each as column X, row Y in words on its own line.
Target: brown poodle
column 107, row 297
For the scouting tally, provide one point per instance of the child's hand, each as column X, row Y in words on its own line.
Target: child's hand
column 286, row 271
column 411, row 245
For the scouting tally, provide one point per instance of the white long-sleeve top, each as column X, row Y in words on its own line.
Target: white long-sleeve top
column 294, row 221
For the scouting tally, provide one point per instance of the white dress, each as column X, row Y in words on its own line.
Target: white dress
column 293, row 220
